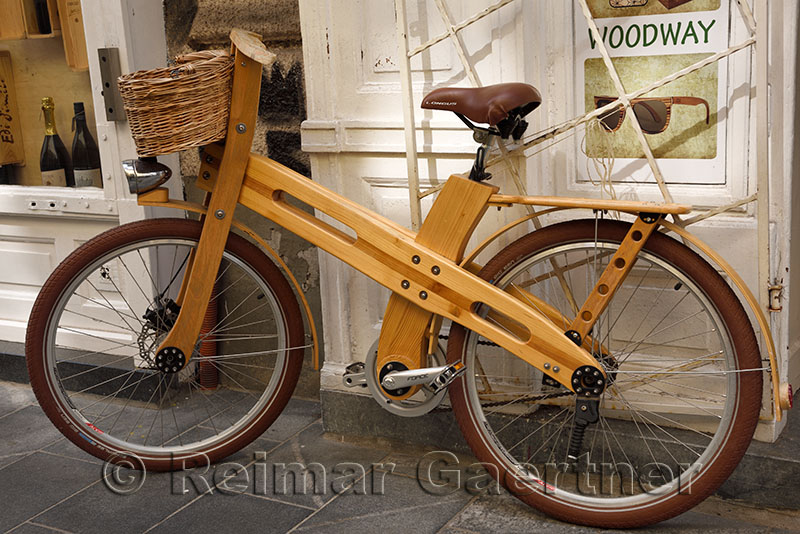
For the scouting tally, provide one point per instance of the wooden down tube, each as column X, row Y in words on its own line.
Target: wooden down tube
column 386, row 251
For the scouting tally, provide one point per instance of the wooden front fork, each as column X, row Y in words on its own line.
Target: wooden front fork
column 178, row 346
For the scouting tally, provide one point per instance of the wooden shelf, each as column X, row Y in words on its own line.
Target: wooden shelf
column 71, row 16
column 29, row 13
column 12, row 23
column 50, row 35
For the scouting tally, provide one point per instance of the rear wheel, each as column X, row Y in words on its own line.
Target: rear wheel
column 680, row 407
column 104, row 311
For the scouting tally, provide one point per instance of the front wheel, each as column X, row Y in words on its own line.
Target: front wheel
column 680, row 407
column 104, row 311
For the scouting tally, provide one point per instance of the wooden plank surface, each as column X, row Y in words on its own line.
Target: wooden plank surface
column 71, row 17
column 249, row 44
column 591, row 203
column 12, row 22
column 11, row 146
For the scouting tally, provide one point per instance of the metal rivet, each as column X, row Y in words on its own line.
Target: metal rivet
column 597, row 373
column 584, row 408
column 596, row 391
column 547, row 365
column 244, row 64
column 435, row 270
column 600, row 382
column 423, row 295
column 405, row 284
column 206, row 175
column 576, row 381
column 209, row 158
column 219, row 214
column 556, row 369
column 415, row 260
column 241, row 128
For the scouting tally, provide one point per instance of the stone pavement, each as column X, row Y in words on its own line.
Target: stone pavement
column 49, row 485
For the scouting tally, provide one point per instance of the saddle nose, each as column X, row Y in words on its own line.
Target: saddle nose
column 145, row 174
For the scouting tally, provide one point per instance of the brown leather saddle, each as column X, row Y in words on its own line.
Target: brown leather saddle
column 487, row 105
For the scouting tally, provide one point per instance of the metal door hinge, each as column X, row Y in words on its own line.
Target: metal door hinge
column 775, row 294
column 109, row 72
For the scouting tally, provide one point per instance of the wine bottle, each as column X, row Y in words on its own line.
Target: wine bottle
column 6, row 174
column 42, row 16
column 54, row 160
column 85, row 156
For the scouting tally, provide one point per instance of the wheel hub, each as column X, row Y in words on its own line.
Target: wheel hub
column 588, row 381
column 170, row 360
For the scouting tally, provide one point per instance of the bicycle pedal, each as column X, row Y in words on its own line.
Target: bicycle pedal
column 355, row 375
column 446, row 376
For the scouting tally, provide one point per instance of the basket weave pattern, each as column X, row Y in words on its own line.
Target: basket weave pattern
column 172, row 109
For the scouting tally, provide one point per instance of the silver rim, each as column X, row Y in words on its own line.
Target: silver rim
column 672, row 402
column 99, row 353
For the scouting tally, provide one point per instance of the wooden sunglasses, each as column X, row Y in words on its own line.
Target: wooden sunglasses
column 653, row 113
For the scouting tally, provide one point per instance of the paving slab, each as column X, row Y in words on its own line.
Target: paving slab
column 33, row 528
column 24, row 431
column 490, row 514
column 233, row 513
column 388, row 504
column 304, row 469
column 39, row 481
column 14, row 397
column 100, row 509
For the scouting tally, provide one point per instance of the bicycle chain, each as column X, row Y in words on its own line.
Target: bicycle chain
column 525, row 398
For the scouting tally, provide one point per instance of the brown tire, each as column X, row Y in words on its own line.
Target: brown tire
column 96, row 323
column 674, row 399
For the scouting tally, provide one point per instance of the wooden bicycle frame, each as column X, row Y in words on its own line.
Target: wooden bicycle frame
column 421, row 269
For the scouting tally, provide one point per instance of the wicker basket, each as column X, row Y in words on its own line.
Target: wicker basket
column 176, row 108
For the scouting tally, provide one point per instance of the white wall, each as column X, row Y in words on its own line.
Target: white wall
column 354, row 133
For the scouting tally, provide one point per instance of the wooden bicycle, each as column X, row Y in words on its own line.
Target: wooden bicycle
column 604, row 372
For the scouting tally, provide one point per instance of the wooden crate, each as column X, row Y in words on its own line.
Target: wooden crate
column 69, row 11
column 12, row 23
column 29, row 12
column 11, row 146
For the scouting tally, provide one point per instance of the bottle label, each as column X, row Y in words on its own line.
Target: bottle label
column 87, row 178
column 57, row 177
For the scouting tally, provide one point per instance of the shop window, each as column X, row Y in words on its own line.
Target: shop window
column 43, row 59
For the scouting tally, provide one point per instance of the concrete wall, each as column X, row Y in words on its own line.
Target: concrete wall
column 193, row 25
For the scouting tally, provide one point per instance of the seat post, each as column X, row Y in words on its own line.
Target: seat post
column 478, row 172
column 484, row 137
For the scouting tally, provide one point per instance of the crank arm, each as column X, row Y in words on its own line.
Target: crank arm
column 435, row 378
